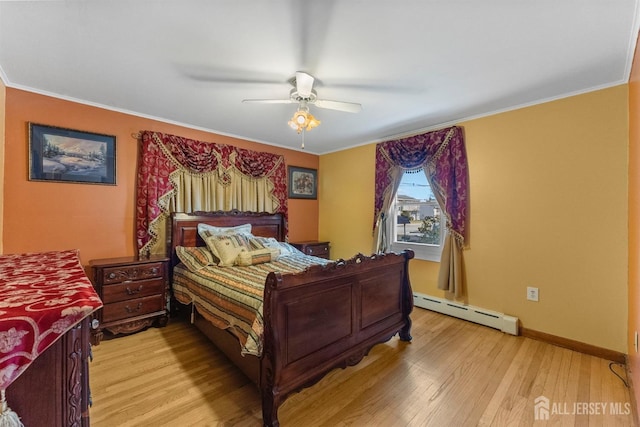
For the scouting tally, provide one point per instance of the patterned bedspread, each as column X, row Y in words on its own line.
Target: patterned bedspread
column 231, row 297
column 42, row 296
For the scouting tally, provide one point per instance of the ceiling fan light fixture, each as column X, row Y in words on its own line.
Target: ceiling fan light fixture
column 303, row 120
column 313, row 122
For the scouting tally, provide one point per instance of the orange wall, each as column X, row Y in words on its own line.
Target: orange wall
column 3, row 91
column 634, row 222
column 97, row 219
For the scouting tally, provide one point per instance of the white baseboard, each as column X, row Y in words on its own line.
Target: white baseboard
column 492, row 319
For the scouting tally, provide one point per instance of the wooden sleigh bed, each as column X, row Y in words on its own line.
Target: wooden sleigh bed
column 314, row 321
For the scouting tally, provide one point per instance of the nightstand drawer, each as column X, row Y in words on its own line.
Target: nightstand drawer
column 132, row 308
column 321, row 250
column 132, row 289
column 132, row 272
column 135, row 293
column 314, row 248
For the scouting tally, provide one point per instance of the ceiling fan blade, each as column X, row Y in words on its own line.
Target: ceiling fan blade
column 304, row 84
column 269, row 101
column 349, row 107
column 310, row 22
column 204, row 73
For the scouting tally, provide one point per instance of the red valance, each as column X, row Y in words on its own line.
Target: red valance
column 442, row 155
column 161, row 154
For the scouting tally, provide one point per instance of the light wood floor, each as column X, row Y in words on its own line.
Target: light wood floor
column 454, row 373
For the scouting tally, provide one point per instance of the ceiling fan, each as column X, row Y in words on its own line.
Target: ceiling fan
column 304, row 95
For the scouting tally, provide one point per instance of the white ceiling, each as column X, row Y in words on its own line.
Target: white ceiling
column 412, row 64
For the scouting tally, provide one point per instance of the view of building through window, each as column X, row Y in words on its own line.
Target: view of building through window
column 418, row 215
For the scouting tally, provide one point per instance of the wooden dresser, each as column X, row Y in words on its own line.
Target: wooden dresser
column 54, row 391
column 134, row 292
column 314, row 247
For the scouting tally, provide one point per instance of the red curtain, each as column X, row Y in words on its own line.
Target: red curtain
column 443, row 156
column 161, row 154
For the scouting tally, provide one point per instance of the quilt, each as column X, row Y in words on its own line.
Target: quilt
column 231, row 297
column 42, row 296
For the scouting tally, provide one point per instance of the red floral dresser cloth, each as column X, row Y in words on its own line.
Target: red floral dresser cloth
column 42, row 296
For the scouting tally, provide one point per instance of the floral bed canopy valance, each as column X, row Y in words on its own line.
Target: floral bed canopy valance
column 186, row 175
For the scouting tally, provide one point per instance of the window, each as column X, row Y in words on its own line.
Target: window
column 416, row 218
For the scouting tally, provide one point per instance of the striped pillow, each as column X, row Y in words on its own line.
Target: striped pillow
column 195, row 259
column 206, row 231
column 257, row 242
column 227, row 247
column 257, row 256
column 284, row 249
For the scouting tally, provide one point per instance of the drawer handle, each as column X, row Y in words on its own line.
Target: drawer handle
column 131, row 310
column 154, row 270
column 134, row 291
column 112, row 275
column 310, row 250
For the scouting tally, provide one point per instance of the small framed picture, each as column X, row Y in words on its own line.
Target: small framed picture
column 303, row 183
column 66, row 155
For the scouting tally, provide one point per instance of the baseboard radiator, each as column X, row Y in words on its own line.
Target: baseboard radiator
column 492, row 319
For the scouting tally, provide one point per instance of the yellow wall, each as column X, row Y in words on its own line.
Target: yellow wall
column 548, row 208
column 634, row 223
column 345, row 191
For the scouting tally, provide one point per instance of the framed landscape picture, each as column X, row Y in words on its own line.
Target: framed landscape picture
column 303, row 183
column 66, row 155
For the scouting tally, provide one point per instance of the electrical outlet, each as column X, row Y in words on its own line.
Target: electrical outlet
column 532, row 293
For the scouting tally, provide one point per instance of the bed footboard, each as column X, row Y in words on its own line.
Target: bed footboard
column 328, row 317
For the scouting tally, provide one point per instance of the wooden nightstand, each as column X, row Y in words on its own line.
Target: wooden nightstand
column 134, row 292
column 314, row 247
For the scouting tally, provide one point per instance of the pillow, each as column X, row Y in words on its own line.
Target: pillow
column 212, row 229
column 226, row 247
column 195, row 259
column 289, row 249
column 257, row 242
column 205, row 231
column 284, row 249
column 257, row 256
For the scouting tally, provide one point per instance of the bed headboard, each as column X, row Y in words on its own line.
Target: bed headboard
column 184, row 226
